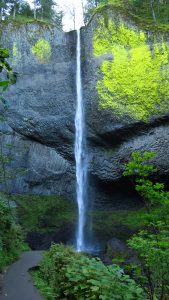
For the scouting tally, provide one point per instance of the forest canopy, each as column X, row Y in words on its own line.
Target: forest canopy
column 41, row 9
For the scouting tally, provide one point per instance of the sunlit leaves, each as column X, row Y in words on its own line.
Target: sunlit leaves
column 140, row 165
column 10, row 76
column 4, row 53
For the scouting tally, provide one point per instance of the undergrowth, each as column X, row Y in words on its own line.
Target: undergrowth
column 65, row 274
column 11, row 236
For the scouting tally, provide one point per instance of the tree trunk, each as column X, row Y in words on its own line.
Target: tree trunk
column 152, row 10
column 42, row 13
column 14, row 12
column 1, row 13
column 34, row 10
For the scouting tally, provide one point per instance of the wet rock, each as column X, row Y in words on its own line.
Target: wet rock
column 43, row 241
column 118, row 252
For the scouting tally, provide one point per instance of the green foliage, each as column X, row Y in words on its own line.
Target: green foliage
column 47, row 8
column 135, row 82
column 8, row 77
column 91, row 6
column 43, row 286
column 153, row 192
column 45, row 213
column 54, row 214
column 152, row 243
column 11, row 236
column 25, row 10
column 151, row 11
column 20, row 12
column 71, row 275
column 117, row 223
column 153, row 270
column 4, row 66
column 22, row 19
column 42, row 50
column 155, row 10
column 140, row 165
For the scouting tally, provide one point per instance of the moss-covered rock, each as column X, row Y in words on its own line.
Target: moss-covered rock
column 44, row 213
column 42, row 50
column 135, row 82
column 46, row 219
column 118, row 223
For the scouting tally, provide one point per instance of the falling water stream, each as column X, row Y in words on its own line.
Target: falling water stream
column 80, row 154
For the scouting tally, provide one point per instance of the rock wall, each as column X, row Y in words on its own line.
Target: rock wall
column 115, row 132
column 40, row 117
column 41, row 108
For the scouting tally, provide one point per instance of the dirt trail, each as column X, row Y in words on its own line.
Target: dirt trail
column 17, row 283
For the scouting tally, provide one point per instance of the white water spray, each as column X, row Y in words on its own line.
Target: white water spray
column 80, row 154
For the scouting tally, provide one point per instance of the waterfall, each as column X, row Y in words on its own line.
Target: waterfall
column 80, row 154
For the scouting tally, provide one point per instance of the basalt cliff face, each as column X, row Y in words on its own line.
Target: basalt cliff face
column 40, row 116
column 41, row 106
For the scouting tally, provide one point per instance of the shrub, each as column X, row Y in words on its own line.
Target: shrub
column 152, row 271
column 72, row 275
column 151, row 244
column 11, row 237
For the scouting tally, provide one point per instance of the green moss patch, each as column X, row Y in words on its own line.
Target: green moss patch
column 135, row 83
column 21, row 20
column 42, row 50
column 120, row 224
column 45, row 213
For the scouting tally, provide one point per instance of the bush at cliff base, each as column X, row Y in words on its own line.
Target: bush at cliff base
column 11, row 237
column 71, row 275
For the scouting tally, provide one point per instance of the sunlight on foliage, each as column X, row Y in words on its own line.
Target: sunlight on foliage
column 42, row 50
column 136, row 82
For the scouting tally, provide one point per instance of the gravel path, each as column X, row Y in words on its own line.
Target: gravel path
column 17, row 283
